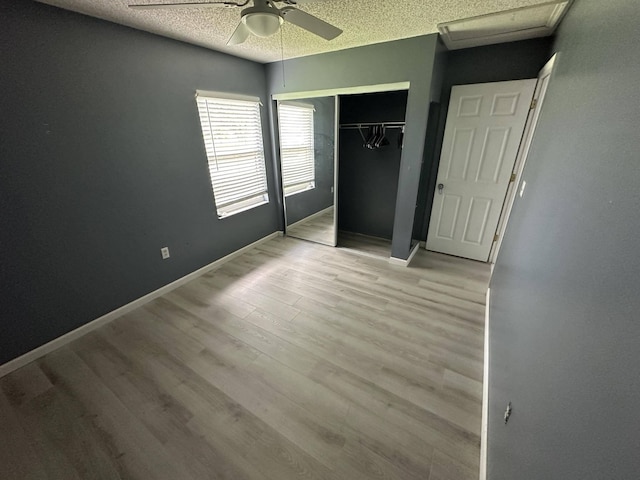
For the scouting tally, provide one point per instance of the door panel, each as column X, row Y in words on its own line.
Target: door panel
column 484, row 127
column 476, row 224
column 458, row 161
column 448, row 216
column 492, row 157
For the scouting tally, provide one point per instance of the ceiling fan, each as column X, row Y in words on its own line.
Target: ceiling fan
column 263, row 19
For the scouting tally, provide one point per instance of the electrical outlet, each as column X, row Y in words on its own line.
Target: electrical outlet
column 165, row 252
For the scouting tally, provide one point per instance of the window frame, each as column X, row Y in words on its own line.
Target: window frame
column 224, row 118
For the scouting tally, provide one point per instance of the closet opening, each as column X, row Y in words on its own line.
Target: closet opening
column 371, row 137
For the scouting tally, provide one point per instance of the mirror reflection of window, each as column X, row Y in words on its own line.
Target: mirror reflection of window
column 297, row 147
column 307, row 128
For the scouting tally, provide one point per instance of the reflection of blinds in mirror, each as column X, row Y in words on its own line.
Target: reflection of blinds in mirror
column 232, row 134
column 296, row 147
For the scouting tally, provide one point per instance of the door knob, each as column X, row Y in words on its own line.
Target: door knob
column 440, row 188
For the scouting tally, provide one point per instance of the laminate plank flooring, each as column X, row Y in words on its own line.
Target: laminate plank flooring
column 320, row 229
column 292, row 361
column 364, row 244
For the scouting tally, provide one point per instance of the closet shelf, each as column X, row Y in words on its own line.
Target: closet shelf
column 373, row 124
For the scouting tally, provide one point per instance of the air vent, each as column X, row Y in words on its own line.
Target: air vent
column 507, row 26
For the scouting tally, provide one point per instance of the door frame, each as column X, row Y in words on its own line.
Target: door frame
column 488, row 259
column 521, row 157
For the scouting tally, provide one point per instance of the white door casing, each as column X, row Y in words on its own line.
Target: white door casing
column 532, row 121
column 485, row 123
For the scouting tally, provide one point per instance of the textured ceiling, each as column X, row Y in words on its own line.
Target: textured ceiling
column 363, row 22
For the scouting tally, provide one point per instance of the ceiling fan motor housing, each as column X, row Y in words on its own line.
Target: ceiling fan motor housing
column 262, row 19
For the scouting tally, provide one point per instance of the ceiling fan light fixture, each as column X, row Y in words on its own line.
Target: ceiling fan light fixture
column 263, row 24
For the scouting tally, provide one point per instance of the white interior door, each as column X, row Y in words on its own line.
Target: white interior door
column 484, row 128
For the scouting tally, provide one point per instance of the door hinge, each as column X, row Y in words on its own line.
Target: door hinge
column 495, row 237
column 534, row 103
column 513, row 178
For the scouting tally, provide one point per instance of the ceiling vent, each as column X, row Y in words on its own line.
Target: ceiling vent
column 508, row 26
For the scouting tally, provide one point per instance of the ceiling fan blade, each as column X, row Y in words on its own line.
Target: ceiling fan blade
column 240, row 35
column 301, row 2
column 310, row 23
column 154, row 6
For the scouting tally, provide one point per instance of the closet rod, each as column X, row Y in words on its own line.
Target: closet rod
column 383, row 124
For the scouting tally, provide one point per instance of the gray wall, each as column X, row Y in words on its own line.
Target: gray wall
column 403, row 60
column 431, row 140
column 565, row 327
column 492, row 63
column 102, row 164
column 303, row 204
column 368, row 179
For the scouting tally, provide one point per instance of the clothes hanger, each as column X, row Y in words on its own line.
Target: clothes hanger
column 381, row 137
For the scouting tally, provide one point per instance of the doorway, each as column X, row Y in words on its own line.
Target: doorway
column 370, row 149
column 538, row 98
column 484, row 128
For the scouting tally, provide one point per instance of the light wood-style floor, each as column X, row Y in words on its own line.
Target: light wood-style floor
column 364, row 244
column 293, row 361
column 319, row 229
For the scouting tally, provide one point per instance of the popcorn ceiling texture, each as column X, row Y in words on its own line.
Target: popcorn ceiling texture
column 363, row 22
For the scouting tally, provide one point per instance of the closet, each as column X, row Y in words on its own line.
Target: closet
column 371, row 131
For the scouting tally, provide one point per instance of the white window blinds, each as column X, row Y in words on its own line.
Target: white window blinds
column 232, row 133
column 296, row 147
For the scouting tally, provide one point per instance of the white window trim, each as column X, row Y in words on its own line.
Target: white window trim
column 237, row 168
column 307, row 151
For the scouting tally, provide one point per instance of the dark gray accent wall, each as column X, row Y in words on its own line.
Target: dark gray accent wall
column 427, row 173
column 492, row 63
column 565, row 322
column 101, row 164
column 368, row 179
column 400, row 61
column 303, row 204
column 373, row 107
column 431, row 141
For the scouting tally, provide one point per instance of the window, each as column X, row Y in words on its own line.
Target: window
column 232, row 133
column 296, row 147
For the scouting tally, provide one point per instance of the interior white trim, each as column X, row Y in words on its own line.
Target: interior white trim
column 485, row 394
column 336, row 167
column 56, row 343
column 382, row 87
column 402, row 262
column 228, row 96
column 506, row 26
column 293, row 103
column 312, row 216
column 523, row 153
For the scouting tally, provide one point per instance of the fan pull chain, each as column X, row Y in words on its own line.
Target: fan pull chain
column 284, row 83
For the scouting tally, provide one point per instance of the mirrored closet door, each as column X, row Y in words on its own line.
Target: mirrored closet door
column 307, row 133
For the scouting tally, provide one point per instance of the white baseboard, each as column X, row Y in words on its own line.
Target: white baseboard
column 402, row 262
column 485, row 394
column 56, row 343
column 311, row 217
